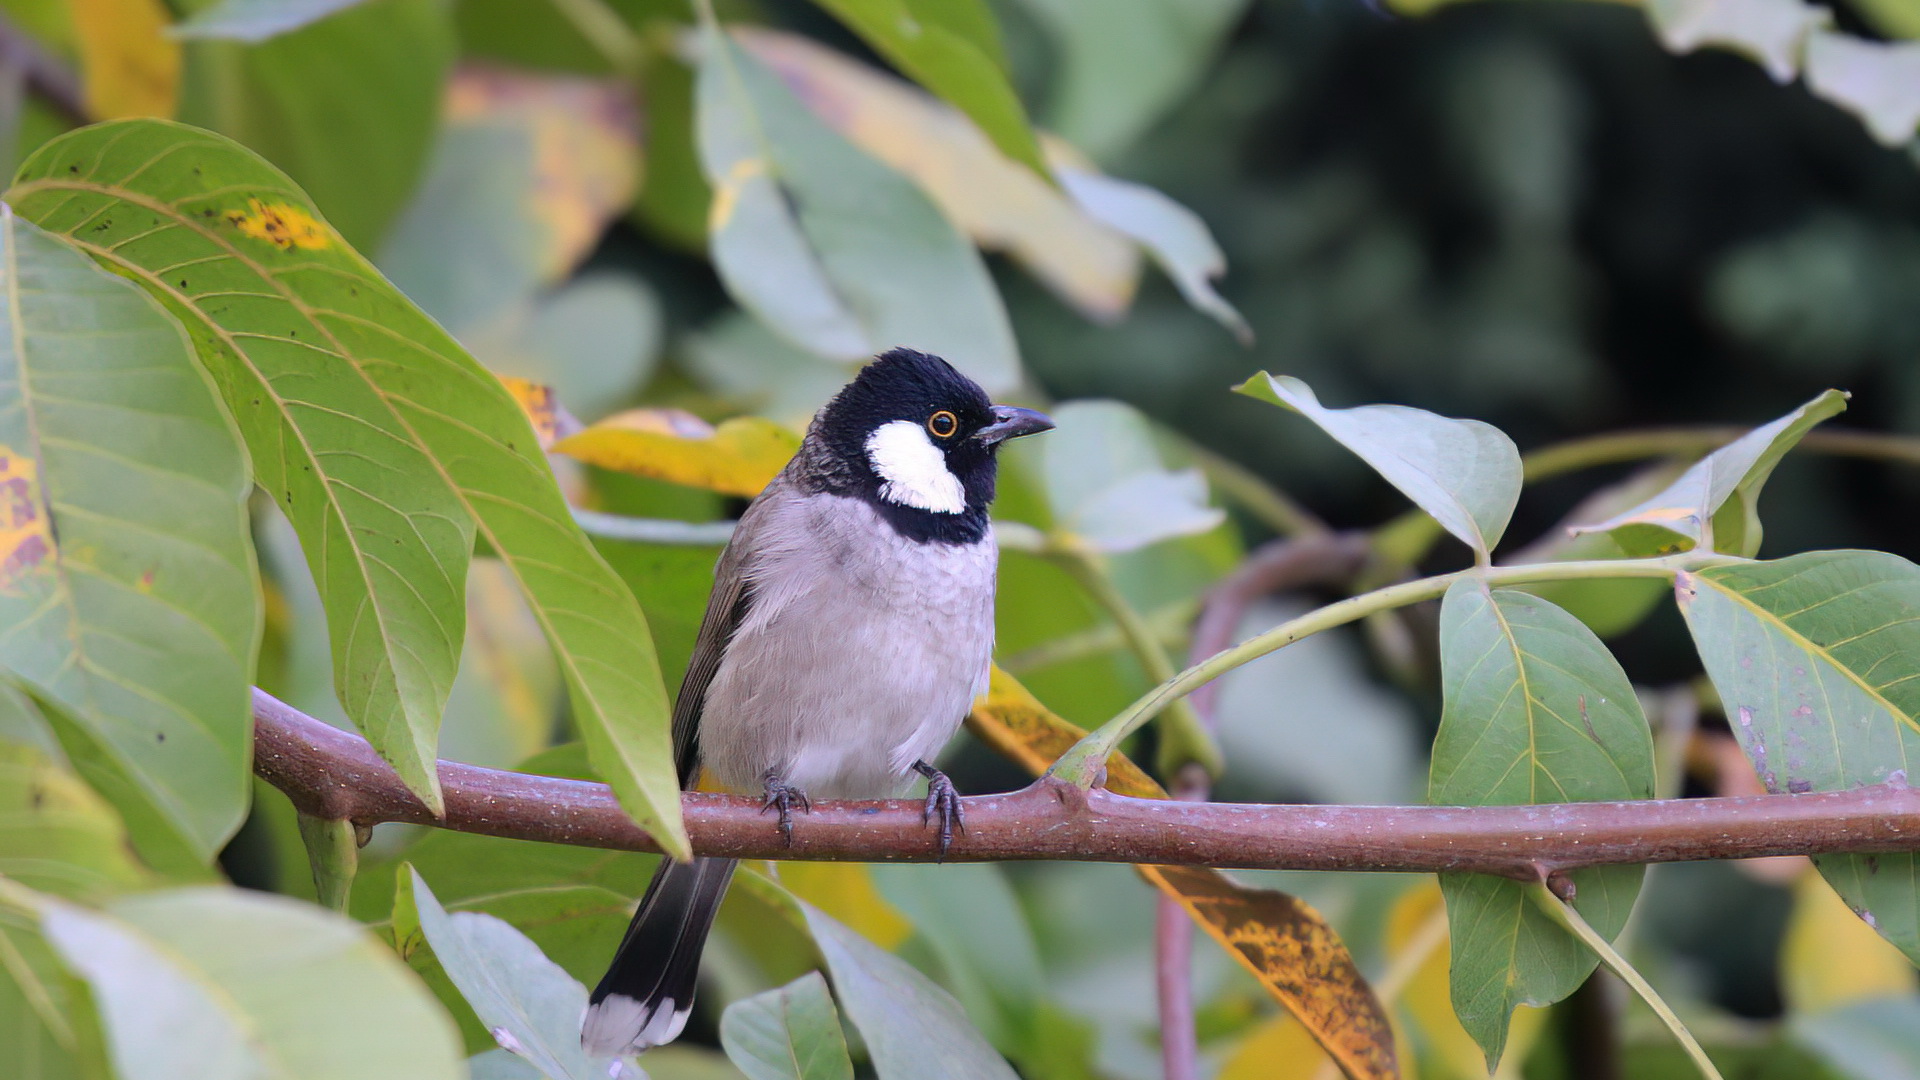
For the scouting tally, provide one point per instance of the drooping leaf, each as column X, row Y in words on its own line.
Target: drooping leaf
column 57, row 835
column 1464, row 473
column 127, row 588
column 739, row 457
column 129, row 66
column 913, row 1029
column 1714, row 502
column 1877, row 81
column 1773, row 32
column 1536, row 711
column 788, row 1033
column 1000, row 204
column 1815, row 658
column 1107, row 485
column 531, row 1006
column 1419, row 921
column 348, row 105
column 1293, row 951
column 256, row 20
column 952, row 48
column 1174, row 235
column 218, row 984
column 827, row 246
column 385, row 444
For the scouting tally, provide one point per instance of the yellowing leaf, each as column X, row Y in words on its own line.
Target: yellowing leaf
column 26, row 539
column 1000, row 203
column 1419, row 923
column 131, row 67
column 551, row 420
column 283, row 225
column 1832, row 958
column 739, row 457
column 846, row 892
column 1284, row 942
column 1280, row 1049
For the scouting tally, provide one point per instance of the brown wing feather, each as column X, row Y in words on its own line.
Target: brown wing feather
column 727, row 606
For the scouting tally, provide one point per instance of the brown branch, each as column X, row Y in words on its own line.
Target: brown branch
column 332, row 774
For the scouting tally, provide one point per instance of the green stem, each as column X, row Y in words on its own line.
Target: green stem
column 1082, row 764
column 1570, row 919
column 333, row 850
column 1183, row 738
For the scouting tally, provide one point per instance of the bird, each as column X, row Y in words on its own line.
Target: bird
column 849, row 630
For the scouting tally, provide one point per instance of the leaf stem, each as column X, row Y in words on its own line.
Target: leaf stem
column 1182, row 737
column 333, row 850
column 1570, row 919
column 1083, row 764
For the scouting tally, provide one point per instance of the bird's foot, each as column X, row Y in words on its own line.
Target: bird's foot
column 943, row 800
column 783, row 797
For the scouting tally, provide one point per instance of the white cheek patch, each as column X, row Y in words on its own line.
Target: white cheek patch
column 913, row 471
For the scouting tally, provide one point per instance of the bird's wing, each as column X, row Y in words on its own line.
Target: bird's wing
column 726, row 608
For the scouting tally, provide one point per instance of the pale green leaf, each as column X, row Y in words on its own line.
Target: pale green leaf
column 1773, row 32
column 1877, row 1039
column 1464, row 473
column 56, row 834
column 530, row 1005
column 221, row 984
column 1713, row 504
column 1107, row 485
column 913, row 1029
column 787, row 1033
column 127, row 582
column 1875, row 80
column 827, row 246
column 1817, row 661
column 1536, row 711
column 384, row 443
column 256, row 20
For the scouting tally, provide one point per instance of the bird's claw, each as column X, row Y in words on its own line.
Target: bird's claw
column 943, row 800
column 783, row 797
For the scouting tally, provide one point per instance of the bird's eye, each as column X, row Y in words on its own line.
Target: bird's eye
column 943, row 424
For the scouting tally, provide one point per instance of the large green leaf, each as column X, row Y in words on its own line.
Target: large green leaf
column 1175, row 236
column 385, row 444
column 48, row 1028
column 1536, row 710
column 828, row 246
column 531, row 1006
column 1815, row 658
column 1714, row 503
column 952, row 48
column 127, row 585
column 1464, row 473
column 914, row 1030
column 56, row 834
column 348, row 106
column 220, row 984
column 788, row 1033
column 1122, row 66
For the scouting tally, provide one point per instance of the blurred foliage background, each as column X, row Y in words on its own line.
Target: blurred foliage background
column 1531, row 213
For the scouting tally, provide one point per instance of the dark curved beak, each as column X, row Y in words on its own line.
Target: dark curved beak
column 1011, row 422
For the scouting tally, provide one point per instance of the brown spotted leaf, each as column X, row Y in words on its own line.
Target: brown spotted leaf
column 1293, row 951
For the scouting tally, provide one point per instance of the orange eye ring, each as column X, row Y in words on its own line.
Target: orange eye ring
column 943, row 424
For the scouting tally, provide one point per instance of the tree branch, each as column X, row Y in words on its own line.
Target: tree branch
column 332, row 774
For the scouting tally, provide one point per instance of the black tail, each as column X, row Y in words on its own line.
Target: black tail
column 645, row 996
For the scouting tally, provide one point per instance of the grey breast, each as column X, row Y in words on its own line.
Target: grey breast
column 860, row 652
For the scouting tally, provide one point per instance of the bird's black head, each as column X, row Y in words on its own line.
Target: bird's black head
column 916, row 438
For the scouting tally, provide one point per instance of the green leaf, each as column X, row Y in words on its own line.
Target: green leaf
column 1464, row 473
column 788, row 1033
column 1174, row 235
column 1815, row 658
column 1122, row 66
column 1002, row 988
column 48, row 1026
column 1536, row 711
column 829, row 247
column 531, row 1006
column 913, row 1029
column 1713, row 504
column 348, row 106
column 1876, row 1039
column 1107, row 485
column 952, row 48
column 56, row 834
column 221, row 984
column 127, row 585
column 385, row 444
column 1878, row 81
column 256, row 20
